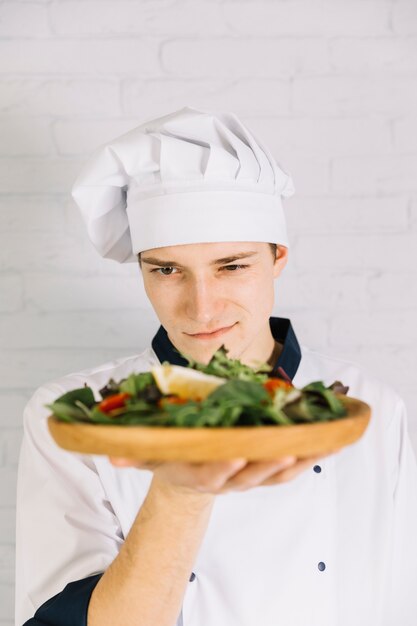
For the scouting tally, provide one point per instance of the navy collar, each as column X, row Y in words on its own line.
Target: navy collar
column 281, row 329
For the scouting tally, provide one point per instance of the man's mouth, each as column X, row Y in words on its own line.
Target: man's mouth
column 214, row 334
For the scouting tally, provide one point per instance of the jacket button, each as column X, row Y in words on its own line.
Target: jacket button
column 317, row 469
column 321, row 566
column 192, row 577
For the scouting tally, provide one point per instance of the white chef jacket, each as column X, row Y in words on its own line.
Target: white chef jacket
column 336, row 546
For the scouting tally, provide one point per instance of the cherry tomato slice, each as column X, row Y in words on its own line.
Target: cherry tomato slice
column 276, row 383
column 171, row 400
column 116, row 401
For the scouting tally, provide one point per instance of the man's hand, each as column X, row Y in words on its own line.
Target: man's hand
column 217, row 477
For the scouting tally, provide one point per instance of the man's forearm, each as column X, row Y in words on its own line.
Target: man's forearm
column 146, row 582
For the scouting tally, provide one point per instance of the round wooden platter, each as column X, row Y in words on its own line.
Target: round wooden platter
column 255, row 443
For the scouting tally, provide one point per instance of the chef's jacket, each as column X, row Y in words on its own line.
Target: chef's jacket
column 335, row 546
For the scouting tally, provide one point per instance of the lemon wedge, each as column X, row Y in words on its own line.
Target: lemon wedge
column 186, row 383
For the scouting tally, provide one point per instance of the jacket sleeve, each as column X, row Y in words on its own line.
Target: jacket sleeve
column 401, row 599
column 67, row 608
column 67, row 533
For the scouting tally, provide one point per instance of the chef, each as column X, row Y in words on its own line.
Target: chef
column 196, row 200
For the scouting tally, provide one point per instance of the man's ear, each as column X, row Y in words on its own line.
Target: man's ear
column 280, row 260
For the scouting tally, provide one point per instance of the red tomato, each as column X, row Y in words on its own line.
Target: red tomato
column 116, row 401
column 171, row 400
column 276, row 383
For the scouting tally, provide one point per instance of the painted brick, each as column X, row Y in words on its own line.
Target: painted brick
column 12, row 289
column 365, row 252
column 391, row 290
column 23, row 20
column 86, row 329
column 328, row 18
column 25, row 136
column 7, row 564
column 8, row 478
column 405, row 133
column 144, row 18
column 7, row 525
column 42, row 213
column 300, row 290
column 10, row 442
column 12, row 405
column 384, row 174
column 397, row 55
column 404, row 17
column 6, row 602
column 60, row 97
column 252, row 1
column 33, row 368
column 31, row 175
column 246, row 97
column 310, row 175
column 342, row 215
column 84, row 293
column 58, row 254
column 238, row 57
column 344, row 94
column 381, row 328
column 314, row 137
column 102, row 58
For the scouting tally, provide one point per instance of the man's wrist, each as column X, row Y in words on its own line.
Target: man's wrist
column 180, row 493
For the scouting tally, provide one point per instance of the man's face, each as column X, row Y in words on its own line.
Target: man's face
column 192, row 292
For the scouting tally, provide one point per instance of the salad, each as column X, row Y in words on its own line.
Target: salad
column 223, row 393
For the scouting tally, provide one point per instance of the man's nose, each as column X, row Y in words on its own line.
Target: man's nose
column 203, row 300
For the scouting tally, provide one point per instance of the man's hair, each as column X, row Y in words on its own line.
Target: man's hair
column 273, row 248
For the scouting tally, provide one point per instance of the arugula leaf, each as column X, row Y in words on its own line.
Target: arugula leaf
column 198, row 414
column 85, row 395
column 327, row 395
column 242, row 392
column 241, row 401
column 73, row 405
column 135, row 383
column 66, row 412
column 221, row 365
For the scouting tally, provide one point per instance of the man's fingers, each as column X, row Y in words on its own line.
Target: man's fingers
column 256, row 472
column 125, row 462
column 293, row 471
column 211, row 475
column 225, row 476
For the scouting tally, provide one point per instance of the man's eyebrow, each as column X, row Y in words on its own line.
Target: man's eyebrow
column 228, row 259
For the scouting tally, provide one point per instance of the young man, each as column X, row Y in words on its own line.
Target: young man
column 197, row 200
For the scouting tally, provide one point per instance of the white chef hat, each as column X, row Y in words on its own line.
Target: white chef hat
column 187, row 177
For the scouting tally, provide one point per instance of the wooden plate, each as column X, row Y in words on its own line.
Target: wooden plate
column 255, row 443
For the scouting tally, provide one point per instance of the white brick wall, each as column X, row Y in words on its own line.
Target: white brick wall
column 332, row 88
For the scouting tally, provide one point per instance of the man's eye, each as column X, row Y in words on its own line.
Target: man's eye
column 226, row 267
column 168, row 271
column 159, row 269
